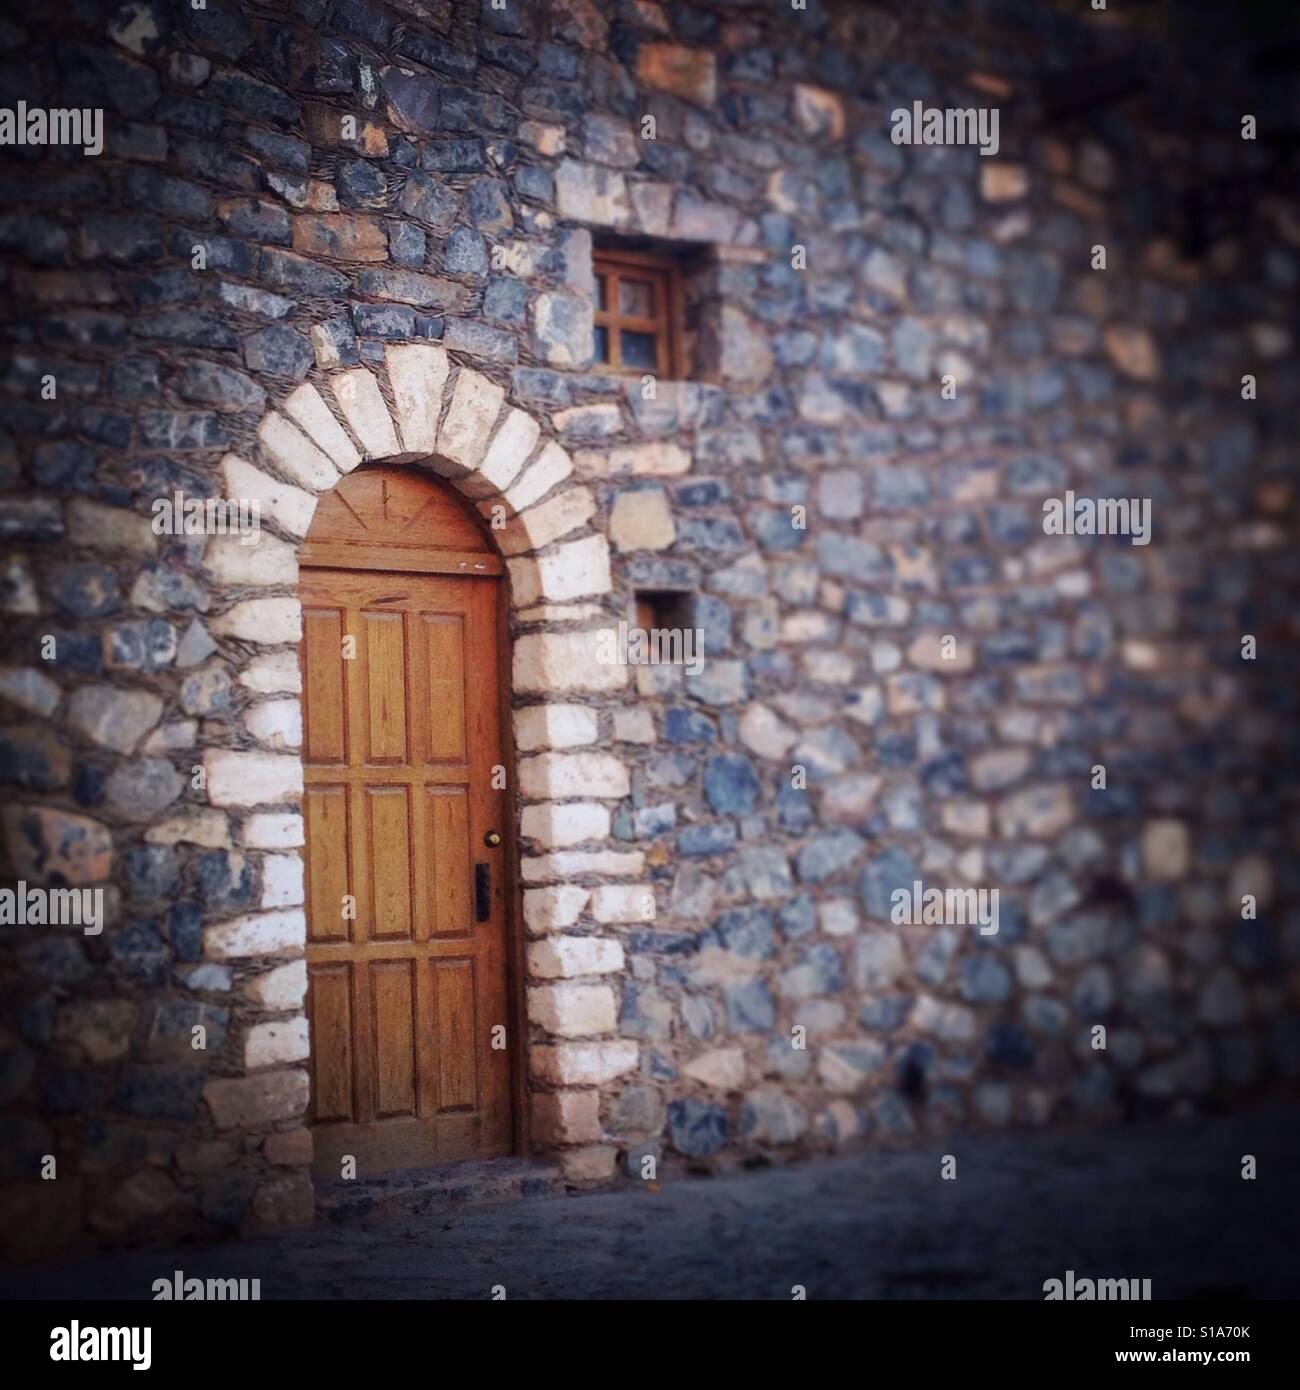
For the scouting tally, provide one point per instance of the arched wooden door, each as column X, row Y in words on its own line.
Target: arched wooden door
column 408, row 960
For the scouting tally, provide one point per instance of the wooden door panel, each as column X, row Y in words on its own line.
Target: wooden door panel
column 392, row 994
column 444, row 661
column 324, row 689
column 388, row 823
column 401, row 738
column 385, row 660
column 330, row 1018
column 451, row 860
column 454, row 996
column 329, row 855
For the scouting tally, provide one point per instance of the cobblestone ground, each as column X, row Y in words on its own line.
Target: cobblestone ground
column 1159, row 1201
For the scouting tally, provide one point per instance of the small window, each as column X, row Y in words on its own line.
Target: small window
column 638, row 325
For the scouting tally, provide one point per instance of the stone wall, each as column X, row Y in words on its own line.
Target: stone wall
column 322, row 234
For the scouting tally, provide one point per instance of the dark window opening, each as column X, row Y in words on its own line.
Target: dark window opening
column 639, row 317
column 663, row 608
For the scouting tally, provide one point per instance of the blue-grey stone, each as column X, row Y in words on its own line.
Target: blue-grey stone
column 749, row 1006
column 798, row 917
column 744, row 931
column 776, row 530
column 891, row 869
column 685, row 725
column 984, row 979
column 827, row 854
column 731, row 784
column 695, row 1128
column 138, row 952
column 645, row 1013
column 886, row 1013
column 706, row 839
column 465, row 253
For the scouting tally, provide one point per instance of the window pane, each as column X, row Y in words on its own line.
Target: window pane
column 638, row 349
column 636, row 298
column 600, row 291
column 602, row 344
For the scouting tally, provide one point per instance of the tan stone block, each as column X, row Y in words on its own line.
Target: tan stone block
column 282, row 880
column 1133, row 351
column 589, row 193
column 566, row 1117
column 279, row 989
column 245, row 1102
column 206, row 827
column 506, row 455
column 553, row 909
column 270, row 621
column 266, row 561
column 641, row 519
column 551, row 466
column 251, row 779
column 926, row 653
column 475, row 404
column 276, row 723
column 276, row 1043
column 557, row 825
column 573, row 1010
column 553, row 775
column 623, row 902
column 553, row 726
column 723, row 1068
column 362, row 404
column 634, row 725
column 818, row 111
column 564, row 957
column 548, row 521
column 270, row 672
column 306, row 407
column 567, row 864
column 565, row 661
column 583, row 1063
column 1166, row 849
column 657, row 459
column 256, row 934
column 688, row 73
column 971, row 818
column 292, row 507
column 342, row 236
column 572, row 570
column 295, row 455
column 417, row 373
column 1001, row 182
column 273, row 830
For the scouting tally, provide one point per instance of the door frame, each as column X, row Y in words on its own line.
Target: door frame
column 488, row 568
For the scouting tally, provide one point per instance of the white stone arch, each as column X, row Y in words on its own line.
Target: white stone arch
column 421, row 409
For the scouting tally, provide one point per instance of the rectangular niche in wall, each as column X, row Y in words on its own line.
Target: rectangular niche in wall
column 639, row 314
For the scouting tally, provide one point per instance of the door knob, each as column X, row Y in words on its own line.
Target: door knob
column 492, row 839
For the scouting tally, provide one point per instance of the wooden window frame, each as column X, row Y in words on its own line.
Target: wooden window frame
column 666, row 326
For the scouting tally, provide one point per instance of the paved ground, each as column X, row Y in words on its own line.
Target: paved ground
column 1158, row 1201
